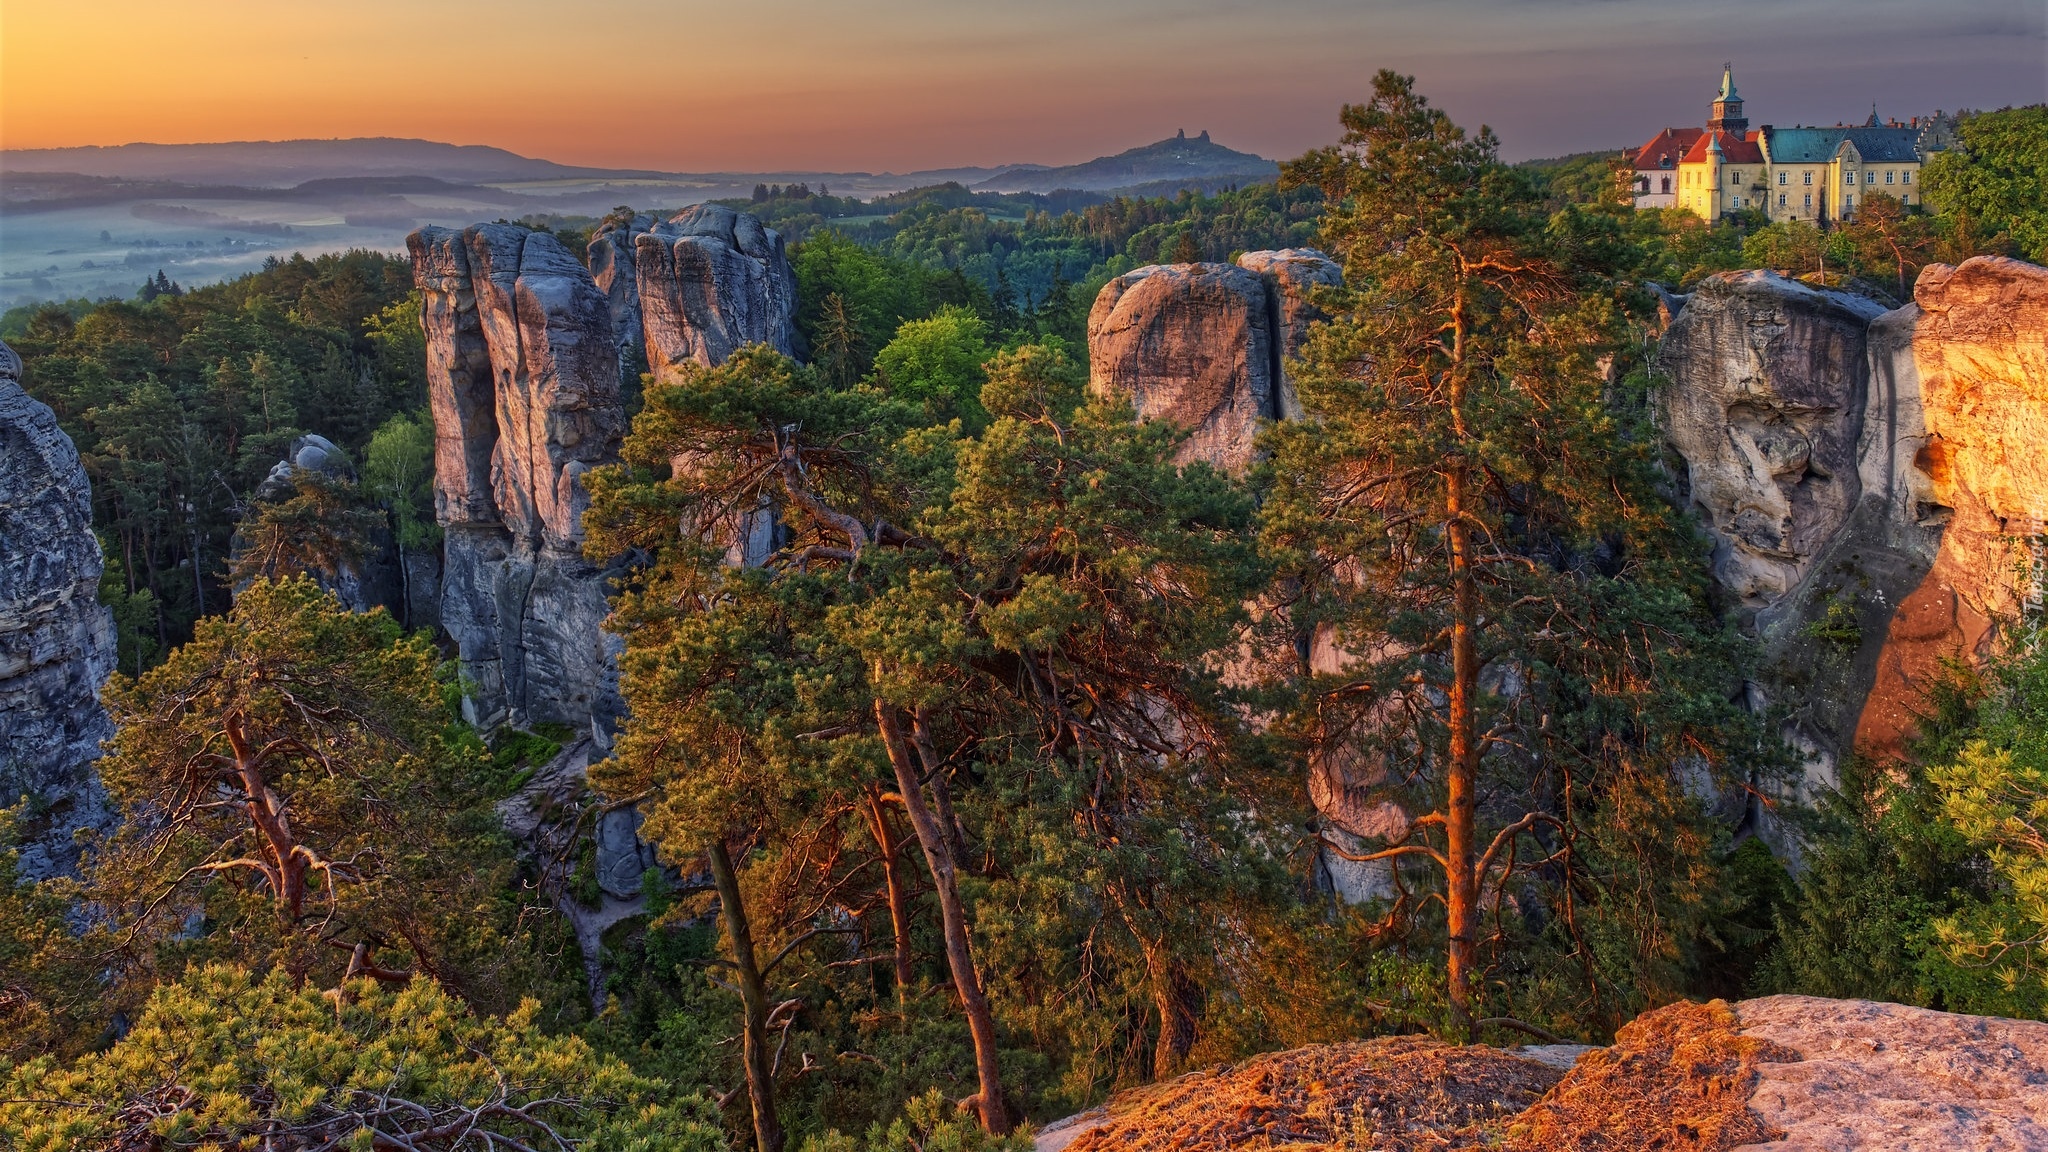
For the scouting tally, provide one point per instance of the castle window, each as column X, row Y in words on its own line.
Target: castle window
column 1737, row 181
column 1667, row 185
column 1906, row 177
column 1809, row 199
column 1809, row 180
column 1887, row 177
column 1870, row 177
column 1848, row 177
column 1781, row 199
column 1781, row 177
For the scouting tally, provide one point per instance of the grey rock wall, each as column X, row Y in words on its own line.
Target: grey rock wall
column 1874, row 473
column 615, row 269
column 56, row 640
column 523, row 377
column 711, row 281
column 1292, row 276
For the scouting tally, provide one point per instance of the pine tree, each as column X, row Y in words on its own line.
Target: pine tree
column 1473, row 524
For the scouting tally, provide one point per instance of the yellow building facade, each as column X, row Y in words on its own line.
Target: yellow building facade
column 1818, row 175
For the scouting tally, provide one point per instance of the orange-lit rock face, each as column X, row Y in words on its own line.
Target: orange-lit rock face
column 1972, row 350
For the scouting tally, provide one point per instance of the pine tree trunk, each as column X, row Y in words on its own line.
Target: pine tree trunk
column 891, row 845
column 1461, row 896
column 938, row 853
column 1460, row 810
column 768, row 1135
column 1178, row 1002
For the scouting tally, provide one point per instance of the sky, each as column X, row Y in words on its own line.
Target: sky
column 900, row 85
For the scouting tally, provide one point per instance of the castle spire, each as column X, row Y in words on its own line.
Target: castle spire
column 1727, row 115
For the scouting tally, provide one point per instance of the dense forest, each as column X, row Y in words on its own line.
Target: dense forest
column 970, row 803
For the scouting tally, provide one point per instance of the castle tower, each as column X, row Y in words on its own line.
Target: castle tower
column 1728, row 115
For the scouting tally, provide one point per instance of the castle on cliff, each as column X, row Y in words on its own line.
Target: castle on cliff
column 1811, row 174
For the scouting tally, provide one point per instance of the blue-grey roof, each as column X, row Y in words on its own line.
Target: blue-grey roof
column 1818, row 145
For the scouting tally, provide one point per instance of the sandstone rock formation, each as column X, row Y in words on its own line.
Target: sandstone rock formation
column 376, row 581
column 1768, row 379
column 1192, row 344
column 523, row 376
column 1960, row 391
column 1206, row 345
column 1860, row 1074
column 1870, row 480
column 1779, row 1074
column 710, row 281
column 56, row 640
column 1292, row 275
column 615, row 268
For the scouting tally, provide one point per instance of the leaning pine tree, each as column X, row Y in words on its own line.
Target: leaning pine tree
column 1471, row 521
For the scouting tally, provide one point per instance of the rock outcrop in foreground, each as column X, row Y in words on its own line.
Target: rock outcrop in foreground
column 1783, row 1073
column 56, row 640
column 529, row 358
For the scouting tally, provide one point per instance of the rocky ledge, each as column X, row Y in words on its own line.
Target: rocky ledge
column 1782, row 1073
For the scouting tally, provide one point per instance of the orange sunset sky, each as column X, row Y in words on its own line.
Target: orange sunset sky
column 904, row 84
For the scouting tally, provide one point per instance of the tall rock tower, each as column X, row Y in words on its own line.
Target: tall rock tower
column 56, row 640
column 527, row 362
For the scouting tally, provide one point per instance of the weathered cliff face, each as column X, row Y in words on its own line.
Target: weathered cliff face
column 528, row 358
column 1960, row 383
column 615, row 268
column 1868, row 481
column 1192, row 344
column 1768, row 380
column 56, row 640
column 711, row 281
column 523, row 377
column 1292, row 275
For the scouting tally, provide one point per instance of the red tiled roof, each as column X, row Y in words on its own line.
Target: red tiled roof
column 1670, row 142
column 1734, row 149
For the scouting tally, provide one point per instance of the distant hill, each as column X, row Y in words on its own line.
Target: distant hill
column 286, row 163
column 1174, row 162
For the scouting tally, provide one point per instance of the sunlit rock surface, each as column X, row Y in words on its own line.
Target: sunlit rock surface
column 56, row 640
column 1960, row 391
column 1875, row 483
column 1191, row 344
column 523, row 377
column 711, row 281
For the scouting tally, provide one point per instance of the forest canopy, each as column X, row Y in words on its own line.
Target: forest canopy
column 983, row 742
